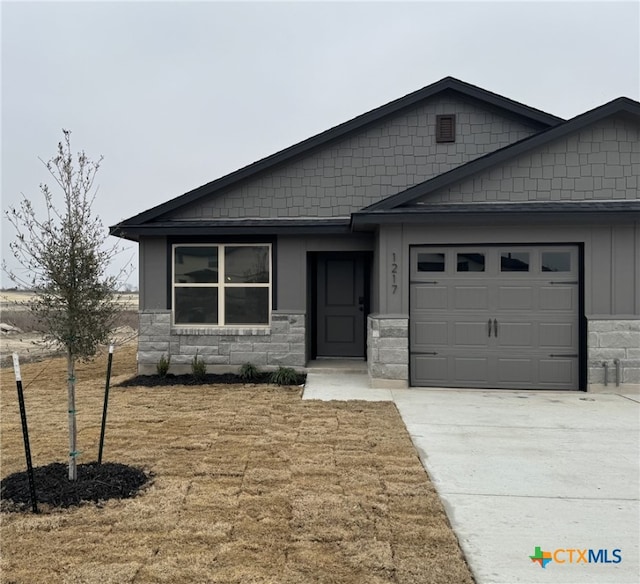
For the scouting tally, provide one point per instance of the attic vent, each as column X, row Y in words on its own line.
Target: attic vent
column 446, row 128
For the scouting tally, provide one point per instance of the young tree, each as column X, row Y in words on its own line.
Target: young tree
column 64, row 255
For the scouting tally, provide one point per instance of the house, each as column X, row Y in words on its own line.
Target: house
column 452, row 238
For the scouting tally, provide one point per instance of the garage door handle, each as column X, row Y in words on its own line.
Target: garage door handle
column 489, row 328
column 495, row 327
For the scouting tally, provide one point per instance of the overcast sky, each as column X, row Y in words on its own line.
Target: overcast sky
column 175, row 95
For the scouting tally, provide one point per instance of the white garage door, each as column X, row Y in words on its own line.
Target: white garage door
column 495, row 317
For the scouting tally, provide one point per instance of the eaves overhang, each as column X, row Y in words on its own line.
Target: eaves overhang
column 498, row 213
column 225, row 227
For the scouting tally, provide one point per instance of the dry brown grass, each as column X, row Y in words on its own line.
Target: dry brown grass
column 253, row 485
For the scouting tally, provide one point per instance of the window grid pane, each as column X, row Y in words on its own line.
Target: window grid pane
column 246, row 305
column 246, row 264
column 196, row 305
column 242, row 297
column 195, row 265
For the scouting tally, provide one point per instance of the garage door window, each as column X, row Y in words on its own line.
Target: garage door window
column 431, row 262
column 556, row 261
column 470, row 262
column 514, row 261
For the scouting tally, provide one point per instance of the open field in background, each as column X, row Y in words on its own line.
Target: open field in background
column 12, row 299
column 27, row 343
column 252, row 485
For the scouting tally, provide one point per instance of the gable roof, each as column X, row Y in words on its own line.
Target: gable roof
column 620, row 106
column 514, row 108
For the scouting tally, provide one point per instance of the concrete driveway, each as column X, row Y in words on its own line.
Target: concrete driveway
column 519, row 470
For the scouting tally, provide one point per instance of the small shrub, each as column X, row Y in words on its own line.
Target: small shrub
column 198, row 368
column 249, row 372
column 162, row 367
column 284, row 376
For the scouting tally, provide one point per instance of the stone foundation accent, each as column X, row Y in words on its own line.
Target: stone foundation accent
column 223, row 349
column 609, row 340
column 388, row 348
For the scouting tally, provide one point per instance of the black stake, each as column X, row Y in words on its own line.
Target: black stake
column 106, row 403
column 25, row 433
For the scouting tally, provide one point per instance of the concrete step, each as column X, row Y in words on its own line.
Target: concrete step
column 337, row 366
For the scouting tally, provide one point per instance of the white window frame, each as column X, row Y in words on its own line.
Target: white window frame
column 221, row 285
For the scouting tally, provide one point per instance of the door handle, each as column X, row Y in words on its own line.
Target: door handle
column 489, row 328
column 495, row 327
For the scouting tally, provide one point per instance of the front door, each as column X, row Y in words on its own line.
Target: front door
column 341, row 304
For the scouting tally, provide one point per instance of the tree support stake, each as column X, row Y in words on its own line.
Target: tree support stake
column 106, row 403
column 25, row 433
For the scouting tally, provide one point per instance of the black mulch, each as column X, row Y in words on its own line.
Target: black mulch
column 208, row 379
column 95, row 483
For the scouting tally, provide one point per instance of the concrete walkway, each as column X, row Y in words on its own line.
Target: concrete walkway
column 518, row 470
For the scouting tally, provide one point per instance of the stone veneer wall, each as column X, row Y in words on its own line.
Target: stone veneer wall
column 614, row 339
column 225, row 349
column 388, row 348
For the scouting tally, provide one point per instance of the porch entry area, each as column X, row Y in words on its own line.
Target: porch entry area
column 340, row 304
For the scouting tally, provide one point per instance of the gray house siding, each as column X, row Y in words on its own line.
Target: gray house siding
column 153, row 274
column 367, row 167
column 292, row 254
column 601, row 162
column 611, row 259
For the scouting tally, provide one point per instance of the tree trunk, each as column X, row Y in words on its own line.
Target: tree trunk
column 71, row 400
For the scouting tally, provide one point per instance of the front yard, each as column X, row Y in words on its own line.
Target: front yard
column 252, row 485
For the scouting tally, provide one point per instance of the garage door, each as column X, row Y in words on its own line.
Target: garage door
column 495, row 317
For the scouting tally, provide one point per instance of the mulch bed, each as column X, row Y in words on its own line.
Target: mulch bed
column 95, row 483
column 208, row 379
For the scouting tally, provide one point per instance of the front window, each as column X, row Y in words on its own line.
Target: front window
column 222, row 284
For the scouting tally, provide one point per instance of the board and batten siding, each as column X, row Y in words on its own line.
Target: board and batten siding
column 153, row 275
column 611, row 258
column 366, row 167
column 601, row 162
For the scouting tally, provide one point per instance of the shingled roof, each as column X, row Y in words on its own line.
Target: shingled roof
column 448, row 84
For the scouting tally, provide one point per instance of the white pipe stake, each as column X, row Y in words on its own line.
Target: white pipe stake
column 111, row 348
column 16, row 367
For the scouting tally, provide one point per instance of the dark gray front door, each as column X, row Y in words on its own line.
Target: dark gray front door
column 340, row 322
column 495, row 317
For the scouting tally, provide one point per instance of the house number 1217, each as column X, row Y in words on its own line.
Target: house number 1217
column 394, row 272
